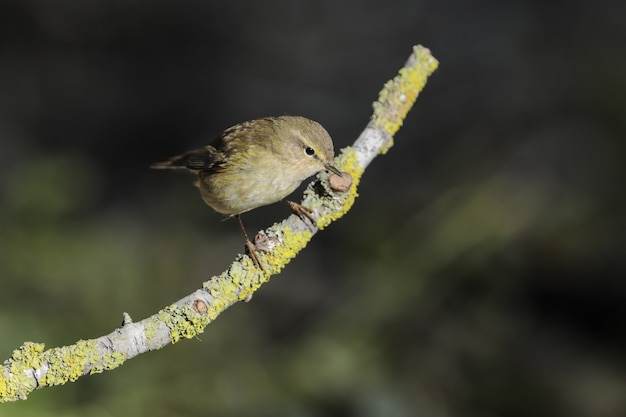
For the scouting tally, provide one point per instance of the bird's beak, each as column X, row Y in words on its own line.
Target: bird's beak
column 332, row 169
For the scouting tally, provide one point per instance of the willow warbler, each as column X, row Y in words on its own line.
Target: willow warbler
column 256, row 163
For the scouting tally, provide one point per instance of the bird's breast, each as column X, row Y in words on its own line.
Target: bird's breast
column 239, row 189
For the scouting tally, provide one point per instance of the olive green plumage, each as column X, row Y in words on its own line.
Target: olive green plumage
column 257, row 162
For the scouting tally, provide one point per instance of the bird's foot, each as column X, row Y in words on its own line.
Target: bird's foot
column 301, row 211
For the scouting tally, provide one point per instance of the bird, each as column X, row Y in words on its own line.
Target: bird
column 257, row 163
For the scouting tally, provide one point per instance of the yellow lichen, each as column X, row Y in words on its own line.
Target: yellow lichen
column 108, row 362
column 17, row 381
column 293, row 242
column 348, row 162
column 183, row 321
column 68, row 363
column 221, row 300
column 151, row 328
column 398, row 95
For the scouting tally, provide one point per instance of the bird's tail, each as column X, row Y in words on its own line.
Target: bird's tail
column 198, row 160
column 176, row 162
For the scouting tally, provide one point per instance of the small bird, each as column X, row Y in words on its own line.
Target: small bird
column 256, row 163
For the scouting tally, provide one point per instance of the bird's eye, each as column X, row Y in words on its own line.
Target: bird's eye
column 309, row 151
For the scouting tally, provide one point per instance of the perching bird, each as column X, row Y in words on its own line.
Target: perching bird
column 256, row 163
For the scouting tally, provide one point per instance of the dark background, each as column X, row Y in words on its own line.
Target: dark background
column 480, row 273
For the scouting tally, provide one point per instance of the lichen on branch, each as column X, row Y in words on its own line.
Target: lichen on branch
column 32, row 367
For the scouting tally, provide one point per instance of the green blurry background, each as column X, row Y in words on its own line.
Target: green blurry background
column 480, row 273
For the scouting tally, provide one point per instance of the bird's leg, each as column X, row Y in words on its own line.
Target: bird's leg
column 249, row 245
column 301, row 211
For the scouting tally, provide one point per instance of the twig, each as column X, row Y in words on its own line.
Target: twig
column 31, row 367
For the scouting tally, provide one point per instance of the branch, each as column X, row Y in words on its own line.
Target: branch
column 329, row 198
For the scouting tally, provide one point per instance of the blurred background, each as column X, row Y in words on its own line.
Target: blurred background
column 480, row 273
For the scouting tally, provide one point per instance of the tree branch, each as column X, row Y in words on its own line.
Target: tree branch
column 31, row 367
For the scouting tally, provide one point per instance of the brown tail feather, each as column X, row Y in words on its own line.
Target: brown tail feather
column 177, row 162
column 198, row 160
